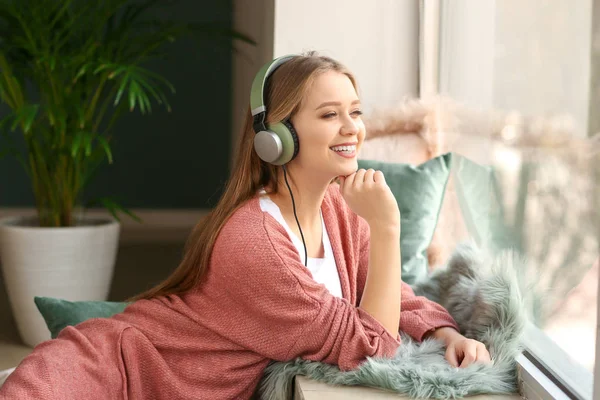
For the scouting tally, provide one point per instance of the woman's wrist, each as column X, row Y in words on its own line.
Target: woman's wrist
column 446, row 334
column 386, row 227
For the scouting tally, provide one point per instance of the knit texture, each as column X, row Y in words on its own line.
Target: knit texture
column 488, row 299
column 258, row 303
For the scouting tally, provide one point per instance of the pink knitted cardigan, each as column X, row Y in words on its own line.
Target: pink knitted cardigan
column 258, row 303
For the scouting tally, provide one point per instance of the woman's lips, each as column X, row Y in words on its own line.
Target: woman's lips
column 345, row 154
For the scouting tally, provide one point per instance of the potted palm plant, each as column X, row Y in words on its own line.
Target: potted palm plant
column 68, row 70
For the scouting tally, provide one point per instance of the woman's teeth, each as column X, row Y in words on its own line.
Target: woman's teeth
column 344, row 149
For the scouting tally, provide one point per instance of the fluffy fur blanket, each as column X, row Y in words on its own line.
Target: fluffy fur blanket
column 482, row 293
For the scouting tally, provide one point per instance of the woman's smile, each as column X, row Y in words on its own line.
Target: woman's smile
column 351, row 153
column 346, row 150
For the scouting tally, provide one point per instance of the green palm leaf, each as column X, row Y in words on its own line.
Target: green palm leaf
column 84, row 60
column 106, row 147
column 114, row 208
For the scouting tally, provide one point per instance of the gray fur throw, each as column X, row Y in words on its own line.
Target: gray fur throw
column 483, row 295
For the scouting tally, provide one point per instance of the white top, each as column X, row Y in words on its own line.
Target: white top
column 324, row 270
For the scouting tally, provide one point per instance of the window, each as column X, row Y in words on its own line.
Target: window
column 532, row 70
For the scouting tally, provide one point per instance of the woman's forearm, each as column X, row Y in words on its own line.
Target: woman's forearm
column 382, row 294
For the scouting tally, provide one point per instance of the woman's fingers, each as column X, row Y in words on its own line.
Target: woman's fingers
column 470, row 354
column 360, row 177
column 451, row 355
column 378, row 177
column 360, row 192
column 466, row 352
column 341, row 181
column 483, row 355
column 349, row 180
column 369, row 175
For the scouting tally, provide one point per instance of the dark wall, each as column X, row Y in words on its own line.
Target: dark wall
column 166, row 160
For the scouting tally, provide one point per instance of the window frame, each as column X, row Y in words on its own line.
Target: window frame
column 538, row 368
column 538, row 378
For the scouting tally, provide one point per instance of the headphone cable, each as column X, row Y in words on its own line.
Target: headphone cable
column 296, row 216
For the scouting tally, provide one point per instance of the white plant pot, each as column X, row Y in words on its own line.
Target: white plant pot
column 72, row 263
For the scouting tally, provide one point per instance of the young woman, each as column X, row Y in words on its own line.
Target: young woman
column 289, row 264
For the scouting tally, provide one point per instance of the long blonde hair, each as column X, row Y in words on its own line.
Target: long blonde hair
column 284, row 92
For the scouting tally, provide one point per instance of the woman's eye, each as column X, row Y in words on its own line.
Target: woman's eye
column 356, row 113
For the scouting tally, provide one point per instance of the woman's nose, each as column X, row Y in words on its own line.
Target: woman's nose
column 349, row 126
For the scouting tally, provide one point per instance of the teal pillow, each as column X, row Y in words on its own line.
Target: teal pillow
column 419, row 191
column 480, row 202
column 60, row 313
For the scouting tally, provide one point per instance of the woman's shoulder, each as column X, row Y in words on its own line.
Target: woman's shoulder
column 248, row 226
column 251, row 243
column 247, row 220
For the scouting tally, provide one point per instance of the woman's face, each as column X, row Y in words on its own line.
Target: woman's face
column 329, row 117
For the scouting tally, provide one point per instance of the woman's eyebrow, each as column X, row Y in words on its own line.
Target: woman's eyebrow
column 335, row 103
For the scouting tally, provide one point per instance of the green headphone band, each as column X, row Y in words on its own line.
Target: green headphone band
column 274, row 143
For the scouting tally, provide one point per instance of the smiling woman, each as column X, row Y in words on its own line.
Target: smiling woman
column 323, row 125
column 242, row 296
column 329, row 131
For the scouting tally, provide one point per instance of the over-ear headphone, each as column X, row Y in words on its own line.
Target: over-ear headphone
column 275, row 143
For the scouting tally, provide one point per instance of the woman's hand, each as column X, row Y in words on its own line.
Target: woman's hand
column 461, row 351
column 369, row 196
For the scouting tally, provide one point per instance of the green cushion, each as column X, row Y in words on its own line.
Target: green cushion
column 419, row 191
column 480, row 202
column 60, row 313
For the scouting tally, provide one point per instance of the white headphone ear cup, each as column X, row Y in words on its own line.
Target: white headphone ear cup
column 288, row 140
column 268, row 146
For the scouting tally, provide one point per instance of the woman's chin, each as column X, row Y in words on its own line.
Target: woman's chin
column 349, row 170
column 351, row 166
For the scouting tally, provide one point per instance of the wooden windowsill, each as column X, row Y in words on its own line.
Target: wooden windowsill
column 308, row 389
